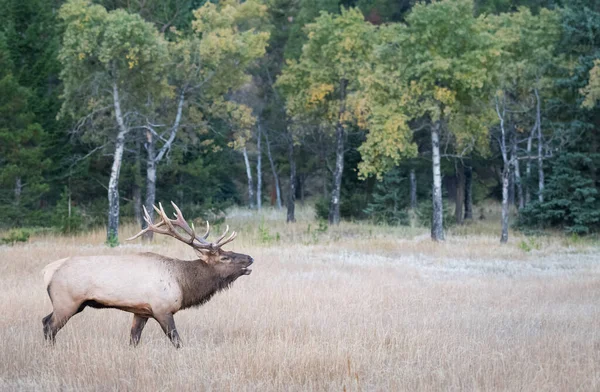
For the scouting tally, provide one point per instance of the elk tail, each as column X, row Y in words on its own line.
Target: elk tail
column 50, row 269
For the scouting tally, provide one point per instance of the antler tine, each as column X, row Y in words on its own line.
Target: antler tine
column 205, row 236
column 222, row 235
column 150, row 226
column 172, row 225
column 228, row 240
column 182, row 223
column 163, row 215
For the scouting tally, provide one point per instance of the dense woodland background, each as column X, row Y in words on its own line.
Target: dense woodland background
column 392, row 111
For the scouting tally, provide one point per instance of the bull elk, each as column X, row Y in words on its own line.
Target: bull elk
column 147, row 284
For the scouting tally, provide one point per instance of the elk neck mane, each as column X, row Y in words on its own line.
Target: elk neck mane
column 198, row 281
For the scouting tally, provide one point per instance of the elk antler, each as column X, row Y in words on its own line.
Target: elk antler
column 169, row 227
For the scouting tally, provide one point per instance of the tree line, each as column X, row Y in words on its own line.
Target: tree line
column 372, row 108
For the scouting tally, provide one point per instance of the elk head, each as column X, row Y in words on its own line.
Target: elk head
column 225, row 263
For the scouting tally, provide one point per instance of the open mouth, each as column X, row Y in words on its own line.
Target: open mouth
column 246, row 271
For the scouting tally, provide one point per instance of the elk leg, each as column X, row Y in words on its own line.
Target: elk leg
column 167, row 323
column 137, row 327
column 47, row 328
column 55, row 321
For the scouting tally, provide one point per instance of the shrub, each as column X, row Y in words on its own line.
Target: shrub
column 67, row 221
column 425, row 212
column 16, row 235
column 571, row 199
column 390, row 200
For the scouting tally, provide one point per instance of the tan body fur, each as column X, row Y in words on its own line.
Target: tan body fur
column 147, row 285
column 108, row 281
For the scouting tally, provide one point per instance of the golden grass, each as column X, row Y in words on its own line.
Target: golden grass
column 352, row 308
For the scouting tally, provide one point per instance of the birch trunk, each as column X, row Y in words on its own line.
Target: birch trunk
column 259, row 169
column 137, row 187
column 112, row 233
column 517, row 171
column 154, row 159
column 413, row 190
column 505, row 175
column 505, row 204
column 291, row 200
column 540, row 148
column 274, row 171
column 18, row 190
column 468, row 192
column 437, row 219
column 528, row 167
column 150, row 183
column 249, row 176
column 334, row 206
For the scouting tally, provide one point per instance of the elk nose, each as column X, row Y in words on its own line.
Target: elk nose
column 251, row 260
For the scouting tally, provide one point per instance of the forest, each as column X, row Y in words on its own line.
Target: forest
column 394, row 112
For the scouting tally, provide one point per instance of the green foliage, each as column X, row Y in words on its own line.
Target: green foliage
column 22, row 161
column 315, row 233
column 591, row 92
column 440, row 66
column 16, row 235
column 390, row 199
column 322, row 208
column 67, row 218
column 338, row 47
column 425, row 212
column 112, row 240
column 439, row 62
column 264, row 234
column 571, row 198
column 103, row 50
column 530, row 243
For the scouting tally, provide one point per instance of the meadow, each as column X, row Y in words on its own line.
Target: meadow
column 351, row 308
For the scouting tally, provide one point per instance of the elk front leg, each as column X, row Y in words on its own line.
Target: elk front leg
column 167, row 323
column 139, row 322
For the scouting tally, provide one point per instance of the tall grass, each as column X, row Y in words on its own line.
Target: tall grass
column 353, row 308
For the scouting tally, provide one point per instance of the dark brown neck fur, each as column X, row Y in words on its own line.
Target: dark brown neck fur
column 197, row 280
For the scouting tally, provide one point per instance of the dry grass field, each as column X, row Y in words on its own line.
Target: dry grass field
column 354, row 308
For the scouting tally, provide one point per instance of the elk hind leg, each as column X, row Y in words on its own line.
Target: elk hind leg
column 167, row 323
column 139, row 322
column 47, row 327
column 57, row 319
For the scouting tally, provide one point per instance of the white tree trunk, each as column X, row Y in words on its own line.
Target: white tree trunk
column 259, row 169
column 517, row 170
column 413, row 190
column 137, row 187
column 18, row 190
column 112, row 233
column 274, row 170
column 154, row 159
column 540, row 148
column 437, row 219
column 249, row 176
column 150, row 182
column 334, row 206
column 291, row 200
column 528, row 166
column 505, row 174
column 505, row 205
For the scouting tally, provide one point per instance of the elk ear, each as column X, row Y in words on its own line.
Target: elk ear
column 206, row 255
